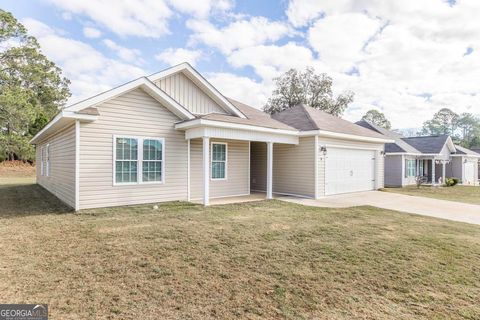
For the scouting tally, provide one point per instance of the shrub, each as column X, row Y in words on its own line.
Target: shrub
column 450, row 182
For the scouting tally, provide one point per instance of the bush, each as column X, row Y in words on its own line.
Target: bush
column 450, row 182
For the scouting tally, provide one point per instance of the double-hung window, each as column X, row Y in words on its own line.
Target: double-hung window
column 45, row 160
column 411, row 168
column 138, row 160
column 219, row 161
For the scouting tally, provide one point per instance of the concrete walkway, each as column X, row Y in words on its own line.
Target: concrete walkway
column 450, row 210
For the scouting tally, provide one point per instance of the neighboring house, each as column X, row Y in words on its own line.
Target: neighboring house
column 173, row 136
column 432, row 157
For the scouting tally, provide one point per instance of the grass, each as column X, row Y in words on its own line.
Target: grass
column 457, row 193
column 265, row 259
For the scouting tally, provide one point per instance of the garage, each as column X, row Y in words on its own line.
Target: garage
column 349, row 170
column 469, row 173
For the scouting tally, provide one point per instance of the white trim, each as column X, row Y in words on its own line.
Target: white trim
column 188, row 170
column 465, row 155
column 47, row 160
column 315, row 170
column 226, row 161
column 139, row 160
column 64, row 114
column 77, row 165
column 344, row 136
column 42, row 159
column 143, row 83
column 336, row 146
column 249, row 164
column 206, row 170
column 269, row 182
column 200, row 81
column 221, row 124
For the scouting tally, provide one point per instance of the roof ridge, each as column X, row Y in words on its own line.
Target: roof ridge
column 309, row 117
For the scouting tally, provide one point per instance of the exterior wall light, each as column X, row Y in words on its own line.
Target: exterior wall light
column 323, row 149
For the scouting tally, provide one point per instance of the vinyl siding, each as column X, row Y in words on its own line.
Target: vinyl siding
column 258, row 163
column 188, row 94
column 394, row 171
column 237, row 182
column 293, row 168
column 133, row 114
column 335, row 143
column 61, row 181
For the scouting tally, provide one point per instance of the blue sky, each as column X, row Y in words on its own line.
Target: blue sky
column 405, row 58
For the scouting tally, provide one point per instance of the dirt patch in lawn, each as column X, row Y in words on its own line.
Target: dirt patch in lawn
column 259, row 260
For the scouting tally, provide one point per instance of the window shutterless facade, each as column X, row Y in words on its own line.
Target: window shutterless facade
column 138, row 160
column 411, row 169
column 219, row 161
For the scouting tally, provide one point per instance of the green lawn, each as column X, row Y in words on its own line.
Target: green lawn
column 457, row 193
column 265, row 259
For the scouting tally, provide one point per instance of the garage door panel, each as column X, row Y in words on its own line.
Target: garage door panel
column 349, row 170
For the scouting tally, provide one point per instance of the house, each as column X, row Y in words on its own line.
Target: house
column 173, row 136
column 432, row 157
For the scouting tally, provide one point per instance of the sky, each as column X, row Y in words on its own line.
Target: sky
column 405, row 58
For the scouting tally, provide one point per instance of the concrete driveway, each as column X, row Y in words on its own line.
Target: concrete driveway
column 450, row 210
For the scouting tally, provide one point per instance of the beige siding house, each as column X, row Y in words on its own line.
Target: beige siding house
column 173, row 136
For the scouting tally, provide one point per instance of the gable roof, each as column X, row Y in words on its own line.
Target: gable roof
column 85, row 108
column 465, row 152
column 399, row 146
column 430, row 144
column 254, row 116
column 202, row 83
column 305, row 118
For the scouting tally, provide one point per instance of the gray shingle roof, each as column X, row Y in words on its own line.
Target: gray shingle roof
column 430, row 144
column 254, row 116
column 464, row 151
column 306, row 118
column 399, row 146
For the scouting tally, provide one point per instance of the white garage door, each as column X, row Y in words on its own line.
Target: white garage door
column 469, row 173
column 349, row 170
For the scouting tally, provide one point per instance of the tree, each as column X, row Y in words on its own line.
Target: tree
column 444, row 122
column 315, row 90
column 377, row 118
column 32, row 89
column 469, row 129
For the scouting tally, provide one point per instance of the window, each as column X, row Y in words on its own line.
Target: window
column 152, row 160
column 219, row 161
column 138, row 160
column 42, row 160
column 47, row 160
column 411, row 169
column 421, row 166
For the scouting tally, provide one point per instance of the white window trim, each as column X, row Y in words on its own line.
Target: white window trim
column 42, row 173
column 408, row 161
column 139, row 160
column 47, row 160
column 226, row 161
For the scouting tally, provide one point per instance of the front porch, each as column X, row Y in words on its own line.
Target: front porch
column 430, row 167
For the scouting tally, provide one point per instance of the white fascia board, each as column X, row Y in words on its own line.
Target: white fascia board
column 199, row 80
column 465, row 155
column 143, row 83
column 63, row 115
column 221, row 124
column 346, row 136
column 412, row 154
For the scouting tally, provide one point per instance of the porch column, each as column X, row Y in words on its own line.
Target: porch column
column 269, row 169
column 433, row 171
column 443, row 171
column 206, row 170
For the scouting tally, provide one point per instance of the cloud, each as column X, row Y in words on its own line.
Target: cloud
column 238, row 34
column 92, row 33
column 126, row 54
column 241, row 88
column 173, row 56
column 89, row 71
column 201, row 9
column 142, row 18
